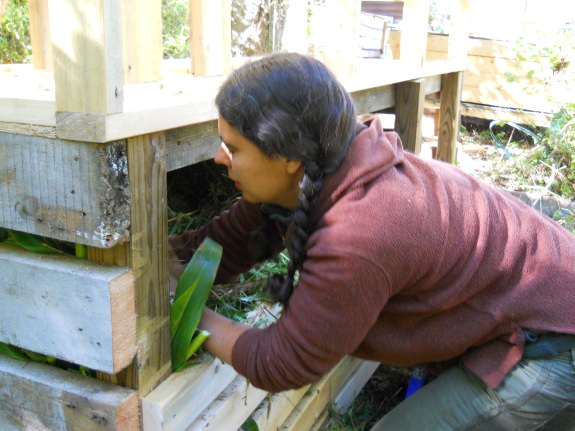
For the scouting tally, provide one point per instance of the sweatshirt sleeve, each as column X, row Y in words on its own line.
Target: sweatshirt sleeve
column 328, row 317
column 231, row 229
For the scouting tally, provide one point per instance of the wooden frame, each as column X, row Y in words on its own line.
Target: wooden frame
column 86, row 150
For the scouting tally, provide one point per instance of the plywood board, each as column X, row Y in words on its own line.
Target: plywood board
column 76, row 310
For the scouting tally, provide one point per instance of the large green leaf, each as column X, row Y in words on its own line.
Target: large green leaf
column 191, row 295
column 31, row 242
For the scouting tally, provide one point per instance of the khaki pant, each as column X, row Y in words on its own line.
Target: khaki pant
column 535, row 395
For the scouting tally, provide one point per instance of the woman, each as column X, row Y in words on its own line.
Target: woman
column 393, row 258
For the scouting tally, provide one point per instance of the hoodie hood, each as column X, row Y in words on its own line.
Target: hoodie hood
column 372, row 153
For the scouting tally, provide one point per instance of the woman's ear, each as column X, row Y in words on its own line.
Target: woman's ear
column 293, row 166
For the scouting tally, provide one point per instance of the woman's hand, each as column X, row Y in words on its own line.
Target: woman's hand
column 224, row 333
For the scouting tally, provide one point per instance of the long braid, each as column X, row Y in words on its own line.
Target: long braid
column 280, row 288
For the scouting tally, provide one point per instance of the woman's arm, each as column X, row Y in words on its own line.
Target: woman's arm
column 224, row 334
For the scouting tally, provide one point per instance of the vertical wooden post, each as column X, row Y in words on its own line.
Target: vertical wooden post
column 450, row 100
column 294, row 34
column 142, row 40
column 341, row 48
column 210, row 36
column 40, row 34
column 87, row 50
column 457, row 43
column 146, row 254
column 413, row 43
column 409, row 103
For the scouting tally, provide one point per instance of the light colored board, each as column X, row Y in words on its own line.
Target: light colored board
column 70, row 191
column 181, row 398
column 410, row 98
column 28, row 129
column 178, row 101
column 142, row 40
column 321, row 393
column 458, row 37
column 231, row 408
column 72, row 309
column 341, row 30
column 210, row 36
column 44, row 398
column 354, row 385
column 40, row 34
column 414, row 31
column 88, row 61
column 272, row 413
column 192, row 144
column 496, row 113
column 449, row 116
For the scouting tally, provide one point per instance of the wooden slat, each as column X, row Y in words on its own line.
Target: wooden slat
column 449, row 116
column 142, row 40
column 40, row 34
column 210, row 36
column 70, row 191
column 342, row 25
column 458, row 38
column 72, row 309
column 414, row 32
column 192, row 144
column 410, row 98
column 44, row 398
column 88, row 62
column 320, row 395
column 181, row 398
column 146, row 254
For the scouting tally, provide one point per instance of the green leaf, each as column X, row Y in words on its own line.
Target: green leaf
column 197, row 342
column 250, row 425
column 32, row 243
column 12, row 352
column 194, row 287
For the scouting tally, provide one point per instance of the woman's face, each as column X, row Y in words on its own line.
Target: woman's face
column 260, row 178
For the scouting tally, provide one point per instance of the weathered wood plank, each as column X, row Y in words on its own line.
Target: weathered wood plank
column 146, row 253
column 449, row 116
column 192, row 144
column 70, row 191
column 72, row 309
column 410, row 98
column 44, row 398
column 413, row 41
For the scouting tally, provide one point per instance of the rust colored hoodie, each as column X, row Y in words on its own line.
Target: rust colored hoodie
column 410, row 262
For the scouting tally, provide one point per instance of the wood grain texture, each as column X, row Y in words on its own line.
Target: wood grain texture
column 449, row 116
column 70, row 191
column 146, row 255
column 409, row 104
column 44, row 398
column 79, row 311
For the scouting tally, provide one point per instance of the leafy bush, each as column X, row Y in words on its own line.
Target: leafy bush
column 15, row 44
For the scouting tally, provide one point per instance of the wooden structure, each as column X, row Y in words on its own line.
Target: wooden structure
column 86, row 138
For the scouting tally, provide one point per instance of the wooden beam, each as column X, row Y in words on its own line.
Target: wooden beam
column 192, row 144
column 40, row 34
column 69, row 308
column 142, row 40
column 409, row 106
column 341, row 30
column 88, row 61
column 413, row 43
column 41, row 397
column 459, row 30
column 210, row 37
column 67, row 190
column 450, row 100
column 146, row 254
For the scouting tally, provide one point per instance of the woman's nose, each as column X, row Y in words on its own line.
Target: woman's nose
column 222, row 156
